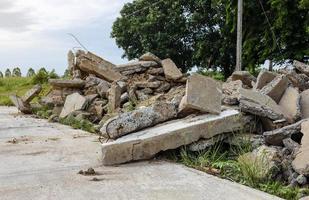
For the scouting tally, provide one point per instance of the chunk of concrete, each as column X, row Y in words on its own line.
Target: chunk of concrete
column 276, row 88
column 114, row 98
column 71, row 61
column 154, row 84
column 30, row 94
column 301, row 161
column 245, row 77
column 300, row 81
column 230, row 92
column 59, row 83
column 136, row 120
column 277, row 136
column 264, row 78
column 302, row 67
column 171, row 71
column 259, row 104
column 73, row 102
column 106, row 72
column 171, row 135
column 135, row 67
column 150, row 57
column 20, row 105
column 203, row 94
column 103, row 88
column 304, row 104
column 290, row 104
column 155, row 71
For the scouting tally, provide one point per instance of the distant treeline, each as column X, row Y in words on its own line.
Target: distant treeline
column 39, row 76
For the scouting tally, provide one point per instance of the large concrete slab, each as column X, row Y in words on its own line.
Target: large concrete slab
column 44, row 162
column 171, row 135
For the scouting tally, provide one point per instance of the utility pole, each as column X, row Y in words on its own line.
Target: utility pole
column 239, row 35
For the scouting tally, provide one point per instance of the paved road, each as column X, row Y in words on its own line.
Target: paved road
column 40, row 160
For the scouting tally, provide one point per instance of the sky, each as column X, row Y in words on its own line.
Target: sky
column 34, row 33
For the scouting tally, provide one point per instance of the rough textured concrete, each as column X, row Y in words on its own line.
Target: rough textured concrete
column 171, row 71
column 45, row 166
column 302, row 67
column 290, row 104
column 30, row 94
column 259, row 104
column 264, row 78
column 150, row 57
column 72, row 103
column 171, row 135
column 276, row 88
column 301, row 162
column 245, row 77
column 304, row 104
column 203, row 94
column 59, row 83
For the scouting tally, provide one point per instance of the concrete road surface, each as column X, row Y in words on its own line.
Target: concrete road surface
column 40, row 160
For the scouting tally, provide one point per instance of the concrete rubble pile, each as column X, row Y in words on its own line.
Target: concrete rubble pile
column 148, row 105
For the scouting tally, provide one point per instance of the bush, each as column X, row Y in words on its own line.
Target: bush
column 41, row 77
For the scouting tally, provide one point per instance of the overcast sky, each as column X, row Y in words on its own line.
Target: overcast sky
column 33, row 33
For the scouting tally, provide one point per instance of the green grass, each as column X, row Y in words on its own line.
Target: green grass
column 19, row 86
column 222, row 160
column 84, row 124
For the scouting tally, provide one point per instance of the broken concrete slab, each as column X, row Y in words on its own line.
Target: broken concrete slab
column 154, row 84
column 230, row 92
column 138, row 119
column 20, row 105
column 171, row 135
column 71, row 61
column 304, row 104
column 171, row 71
column 290, row 104
column 150, row 57
column 301, row 161
column 114, row 98
column 135, row 67
column 206, row 143
column 244, row 76
column 203, row 94
column 155, row 71
column 264, row 78
column 302, row 67
column 106, row 72
column 300, row 81
column 73, row 102
column 102, row 88
column 276, row 137
column 276, row 88
column 259, row 104
column 30, row 94
column 59, row 83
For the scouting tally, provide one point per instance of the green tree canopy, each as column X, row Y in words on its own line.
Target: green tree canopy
column 1, row 74
column 30, row 72
column 16, row 72
column 8, row 73
column 202, row 33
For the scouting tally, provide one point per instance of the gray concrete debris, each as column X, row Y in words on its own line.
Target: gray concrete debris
column 150, row 57
column 71, row 61
column 59, row 83
column 171, row 135
column 202, row 94
column 244, row 139
column 21, row 106
column 259, row 104
column 290, row 104
column 155, row 71
column 244, row 76
column 139, row 119
column 230, row 92
column 155, row 84
column 301, row 161
column 32, row 93
column 300, row 81
column 302, row 67
column 276, row 88
column 304, row 104
column 206, row 143
column 171, row 71
column 73, row 102
column 276, row 137
column 135, row 67
column 114, row 98
column 291, row 145
column 264, row 78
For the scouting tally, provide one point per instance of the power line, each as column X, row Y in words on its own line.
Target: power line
column 271, row 29
column 76, row 39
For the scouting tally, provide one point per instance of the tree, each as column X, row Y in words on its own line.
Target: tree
column 1, row 74
column 41, row 76
column 202, row 33
column 52, row 74
column 16, row 72
column 8, row 73
column 30, row 72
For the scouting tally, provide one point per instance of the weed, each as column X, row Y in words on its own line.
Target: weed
column 85, row 125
